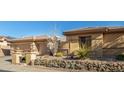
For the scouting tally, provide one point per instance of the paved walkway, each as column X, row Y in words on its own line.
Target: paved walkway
column 6, row 66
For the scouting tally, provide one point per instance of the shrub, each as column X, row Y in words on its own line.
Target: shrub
column 83, row 53
column 82, row 65
column 120, row 57
column 73, row 55
column 59, row 54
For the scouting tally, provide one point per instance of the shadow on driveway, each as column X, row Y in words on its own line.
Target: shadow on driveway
column 9, row 60
column 5, row 70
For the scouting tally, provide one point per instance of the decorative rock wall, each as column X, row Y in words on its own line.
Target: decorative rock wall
column 83, row 65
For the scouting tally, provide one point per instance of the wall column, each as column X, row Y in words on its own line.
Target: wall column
column 31, row 55
column 16, row 56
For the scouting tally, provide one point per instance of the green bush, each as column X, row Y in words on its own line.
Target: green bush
column 59, row 54
column 83, row 53
column 73, row 55
column 120, row 57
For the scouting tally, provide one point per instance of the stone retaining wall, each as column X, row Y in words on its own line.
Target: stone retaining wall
column 84, row 65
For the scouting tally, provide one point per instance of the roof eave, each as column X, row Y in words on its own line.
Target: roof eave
column 94, row 31
column 27, row 40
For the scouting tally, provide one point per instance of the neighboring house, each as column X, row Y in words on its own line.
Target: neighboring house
column 4, row 46
column 25, row 44
column 103, row 41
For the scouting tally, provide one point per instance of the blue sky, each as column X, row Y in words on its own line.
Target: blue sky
column 29, row 28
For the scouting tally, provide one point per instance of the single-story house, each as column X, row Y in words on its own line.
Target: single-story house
column 103, row 41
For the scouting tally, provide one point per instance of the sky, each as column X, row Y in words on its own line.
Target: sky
column 31, row 28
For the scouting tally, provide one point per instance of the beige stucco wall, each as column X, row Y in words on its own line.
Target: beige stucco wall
column 96, row 42
column 112, row 52
column 113, row 44
column 114, row 40
column 73, row 43
column 41, row 47
column 4, row 48
column 101, row 44
column 64, row 45
column 21, row 46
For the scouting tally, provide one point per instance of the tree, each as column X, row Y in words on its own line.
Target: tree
column 52, row 45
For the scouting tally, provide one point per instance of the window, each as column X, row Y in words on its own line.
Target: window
column 85, row 41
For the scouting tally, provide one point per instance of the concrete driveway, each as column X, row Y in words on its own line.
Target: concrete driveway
column 6, row 66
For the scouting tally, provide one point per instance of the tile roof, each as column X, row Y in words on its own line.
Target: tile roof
column 30, row 39
column 94, row 30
